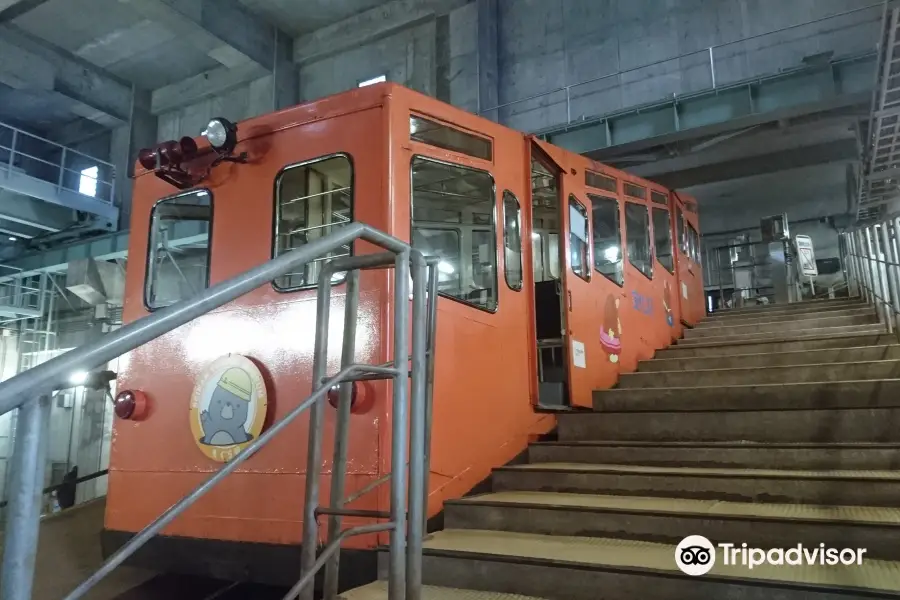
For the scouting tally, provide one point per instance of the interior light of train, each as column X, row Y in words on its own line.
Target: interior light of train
column 445, row 267
column 535, row 235
column 221, row 135
column 611, row 254
column 709, row 303
column 78, row 377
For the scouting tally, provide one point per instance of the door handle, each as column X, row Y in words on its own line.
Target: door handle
column 569, row 295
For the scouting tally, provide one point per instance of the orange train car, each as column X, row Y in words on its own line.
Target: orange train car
column 556, row 274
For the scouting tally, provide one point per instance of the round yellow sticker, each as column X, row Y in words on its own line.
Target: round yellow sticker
column 228, row 407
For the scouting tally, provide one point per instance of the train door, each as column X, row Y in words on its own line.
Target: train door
column 690, row 277
column 562, row 255
column 669, row 313
column 641, row 317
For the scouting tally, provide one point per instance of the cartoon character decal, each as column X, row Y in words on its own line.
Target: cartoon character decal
column 667, row 304
column 611, row 334
column 228, row 407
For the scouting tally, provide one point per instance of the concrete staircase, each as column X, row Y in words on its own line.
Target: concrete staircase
column 772, row 426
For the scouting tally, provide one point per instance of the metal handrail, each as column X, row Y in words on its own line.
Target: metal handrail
column 710, row 51
column 872, row 256
column 30, row 392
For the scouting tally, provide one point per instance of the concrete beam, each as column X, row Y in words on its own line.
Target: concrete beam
column 97, row 94
column 828, row 152
column 205, row 85
column 223, row 29
column 13, row 9
column 369, row 26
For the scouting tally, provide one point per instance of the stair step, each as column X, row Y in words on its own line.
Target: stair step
column 808, row 373
column 846, row 340
column 870, row 488
column 772, row 359
column 770, row 317
column 761, row 396
column 378, row 590
column 800, row 334
column 813, row 305
column 583, row 568
column 750, row 455
column 672, row 519
column 804, row 425
column 804, row 323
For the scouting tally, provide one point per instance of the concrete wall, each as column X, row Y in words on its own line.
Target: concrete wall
column 549, row 44
column 241, row 102
column 438, row 57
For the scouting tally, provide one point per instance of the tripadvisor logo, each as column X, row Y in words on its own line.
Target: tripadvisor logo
column 696, row 555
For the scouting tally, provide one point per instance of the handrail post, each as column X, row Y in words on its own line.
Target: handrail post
column 310, row 540
column 62, row 171
column 399, row 417
column 26, row 487
column 712, row 67
column 12, row 149
column 850, row 262
column 341, row 430
column 867, row 267
column 890, row 274
column 429, row 390
column 415, row 520
column 877, row 289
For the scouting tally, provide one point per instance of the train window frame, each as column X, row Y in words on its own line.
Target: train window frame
column 493, row 226
column 634, row 190
column 649, row 239
column 507, row 194
column 339, row 279
column 680, row 230
column 578, row 206
column 149, row 263
column 658, row 197
column 695, row 243
column 459, row 148
column 668, row 230
column 595, row 180
column 596, row 201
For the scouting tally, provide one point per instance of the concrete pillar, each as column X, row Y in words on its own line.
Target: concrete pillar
column 285, row 75
column 488, row 58
column 126, row 142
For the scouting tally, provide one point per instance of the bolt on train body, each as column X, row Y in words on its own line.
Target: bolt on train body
column 556, row 274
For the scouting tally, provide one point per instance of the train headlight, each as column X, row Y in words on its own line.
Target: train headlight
column 221, row 135
column 130, row 405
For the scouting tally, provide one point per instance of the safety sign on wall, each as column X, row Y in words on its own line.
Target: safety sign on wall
column 806, row 256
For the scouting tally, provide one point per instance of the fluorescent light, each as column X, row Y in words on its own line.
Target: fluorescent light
column 78, row 377
column 373, row 81
column 535, row 235
column 12, row 239
column 445, row 267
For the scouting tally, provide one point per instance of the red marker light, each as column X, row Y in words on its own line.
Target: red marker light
column 130, row 405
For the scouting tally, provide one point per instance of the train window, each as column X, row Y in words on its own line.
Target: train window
column 637, row 238
column 512, row 240
column 312, row 199
column 662, row 237
column 468, row 270
column 600, row 181
column 178, row 250
column 449, row 138
column 659, row 198
column 679, row 224
column 635, row 191
column 579, row 239
column 695, row 243
column 607, row 238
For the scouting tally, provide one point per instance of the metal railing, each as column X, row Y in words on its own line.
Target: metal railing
column 30, row 392
column 872, row 256
column 711, row 68
column 54, row 163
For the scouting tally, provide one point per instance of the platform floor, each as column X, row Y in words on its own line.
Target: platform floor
column 69, row 551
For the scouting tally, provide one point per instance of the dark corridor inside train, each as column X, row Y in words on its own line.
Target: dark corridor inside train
column 550, row 318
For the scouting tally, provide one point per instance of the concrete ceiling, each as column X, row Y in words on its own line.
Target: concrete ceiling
column 304, row 16
column 150, row 43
